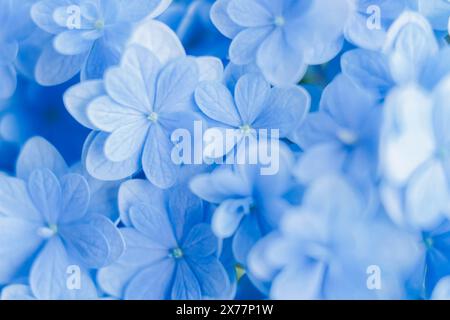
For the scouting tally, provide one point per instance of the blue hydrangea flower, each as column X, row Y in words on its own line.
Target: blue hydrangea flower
column 136, row 108
column 284, row 36
column 327, row 249
column 171, row 253
column 46, row 228
column 411, row 54
column 342, row 136
column 249, row 204
column 88, row 35
column 414, row 155
column 370, row 20
column 253, row 107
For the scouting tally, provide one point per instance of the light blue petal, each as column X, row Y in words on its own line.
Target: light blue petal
column 211, row 275
column 156, row 159
column 15, row 201
column 78, row 97
column 103, row 169
column 116, row 242
column 107, row 115
column 299, row 282
column 251, row 94
column 427, row 195
column 369, row 68
column 185, row 285
column 245, row 45
column 8, row 80
column 137, row 191
column 72, row 42
column 133, row 83
column 176, row 84
column 228, row 216
column 222, row 21
column 274, row 50
column 246, row 237
column 215, row 101
column 19, row 240
column 48, row 277
column 126, row 141
column 410, row 43
column 17, row 292
column 285, row 109
column 200, row 242
column 250, row 13
column 135, row 10
column 46, row 193
column 320, row 160
column 38, row 154
column 151, row 283
column 54, row 68
column 75, row 198
column 154, row 223
column 42, row 15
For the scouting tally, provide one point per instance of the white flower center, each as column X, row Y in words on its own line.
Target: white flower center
column 48, row 232
column 246, row 129
column 279, row 21
column 346, row 136
column 99, row 24
column 153, row 117
column 176, row 253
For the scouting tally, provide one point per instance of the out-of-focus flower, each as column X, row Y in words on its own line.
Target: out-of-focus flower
column 328, row 249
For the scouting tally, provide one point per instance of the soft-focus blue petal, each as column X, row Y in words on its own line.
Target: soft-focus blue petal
column 17, row 292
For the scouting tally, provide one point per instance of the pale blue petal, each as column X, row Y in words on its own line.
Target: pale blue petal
column 98, row 165
column 138, row 191
column 250, row 13
column 15, row 201
column 222, row 21
column 157, row 162
column 19, row 240
column 17, row 292
column 48, row 277
column 185, row 285
column 54, row 68
column 200, row 242
column 228, row 216
column 72, row 42
column 154, row 223
column 152, row 283
column 251, row 94
column 75, row 198
column 285, row 109
column 38, row 154
column 133, row 83
column 245, row 45
column 78, row 97
column 176, row 84
column 215, row 101
column 46, row 193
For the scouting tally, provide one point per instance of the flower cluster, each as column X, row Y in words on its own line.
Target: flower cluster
column 224, row 149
